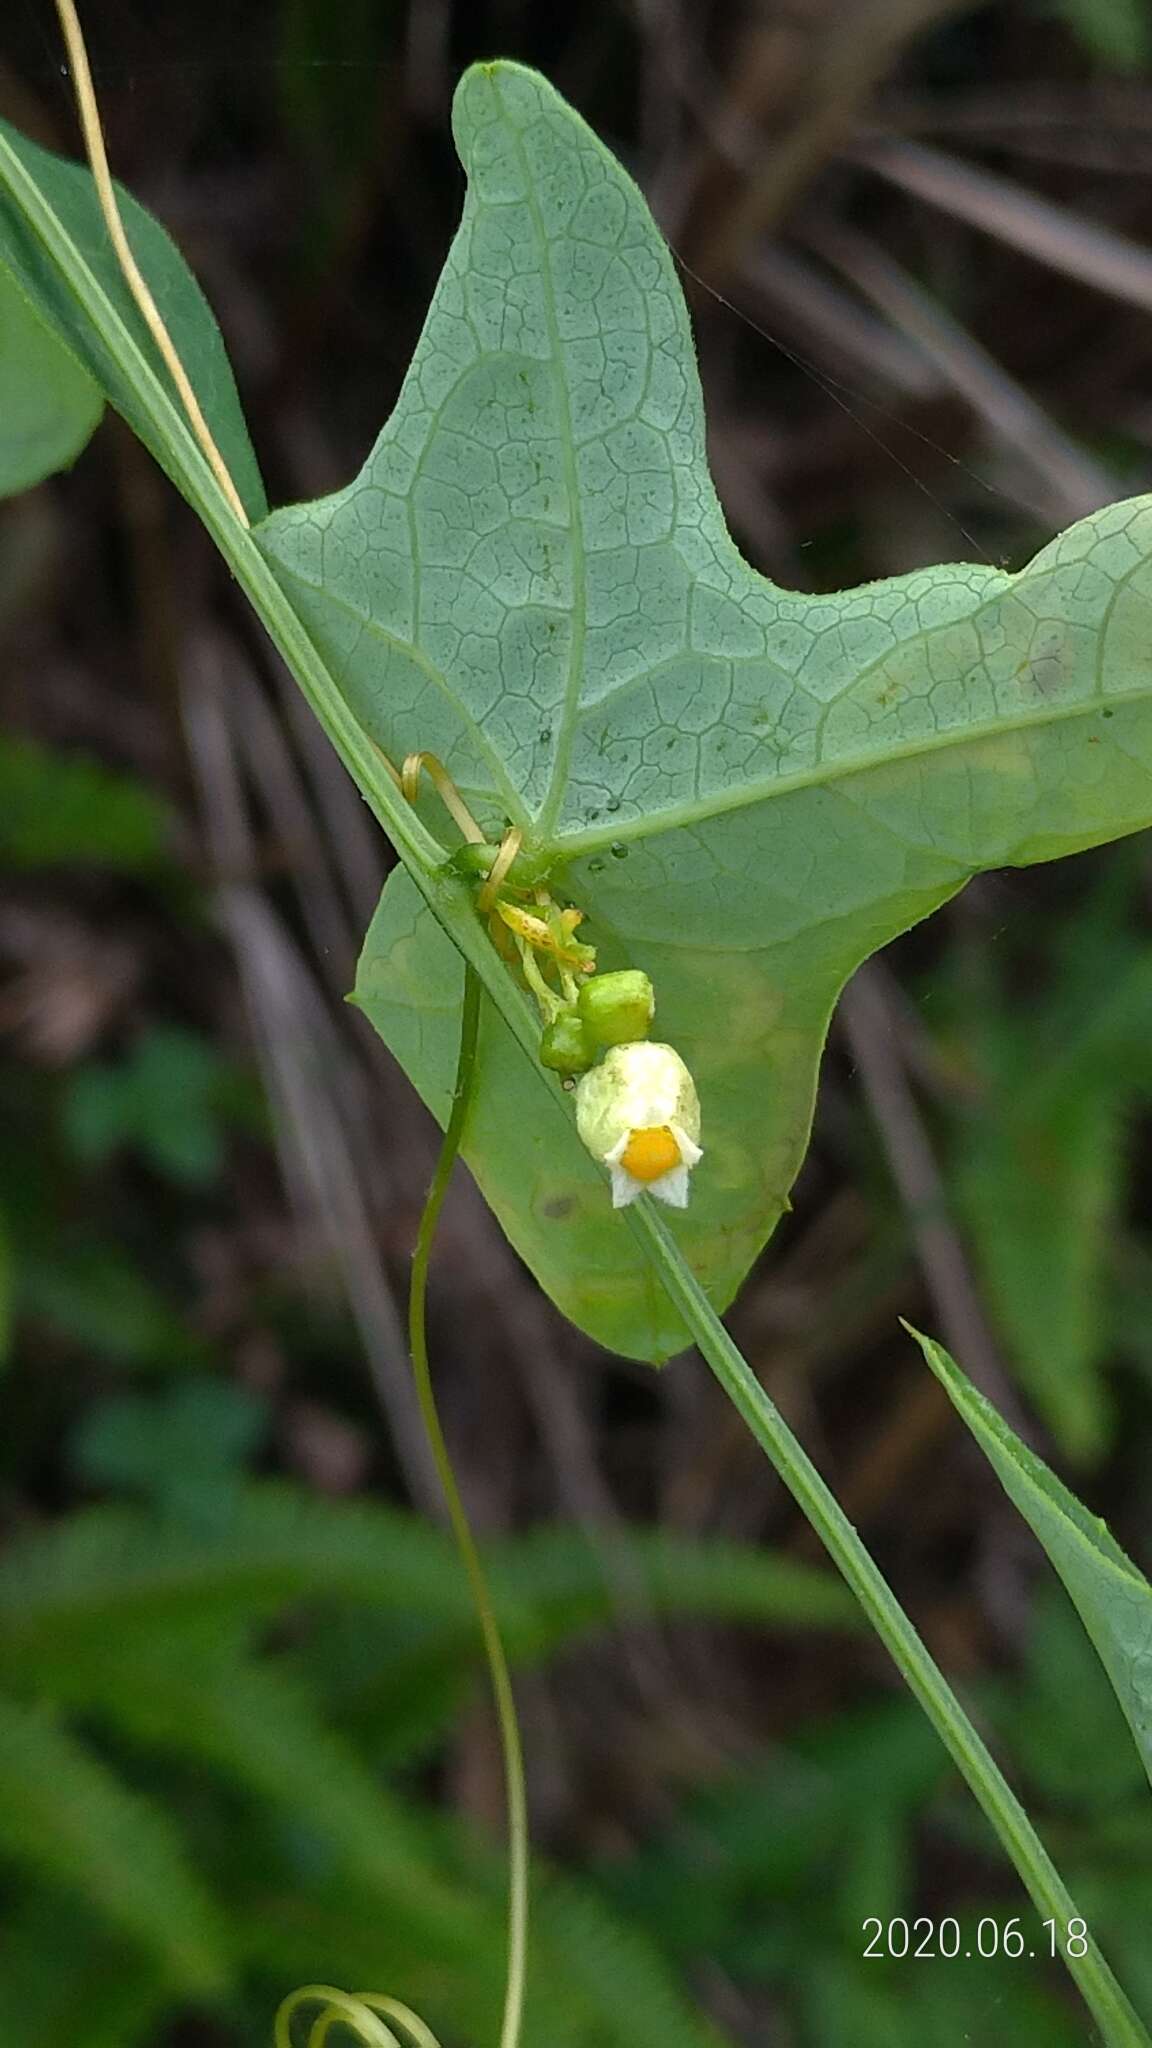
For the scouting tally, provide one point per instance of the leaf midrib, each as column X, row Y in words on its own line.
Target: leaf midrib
column 558, row 780
column 742, row 795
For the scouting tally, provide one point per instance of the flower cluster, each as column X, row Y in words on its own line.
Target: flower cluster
column 636, row 1105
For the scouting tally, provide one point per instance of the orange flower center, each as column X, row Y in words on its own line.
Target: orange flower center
column 650, row 1153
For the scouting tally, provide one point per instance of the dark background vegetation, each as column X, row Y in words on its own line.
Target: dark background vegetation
column 916, row 240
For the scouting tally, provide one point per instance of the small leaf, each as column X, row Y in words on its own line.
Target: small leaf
column 185, row 1449
column 57, row 807
column 63, row 1814
column 163, row 1099
column 1112, row 1598
column 49, row 406
column 89, row 1292
column 58, row 263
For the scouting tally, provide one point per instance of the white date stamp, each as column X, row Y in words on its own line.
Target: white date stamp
column 895, row 1939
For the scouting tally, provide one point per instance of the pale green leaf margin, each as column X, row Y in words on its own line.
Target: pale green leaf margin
column 1111, row 1596
column 50, row 406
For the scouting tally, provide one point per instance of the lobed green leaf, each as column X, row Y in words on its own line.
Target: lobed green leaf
column 748, row 789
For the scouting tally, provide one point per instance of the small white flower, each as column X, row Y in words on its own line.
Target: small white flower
column 638, row 1114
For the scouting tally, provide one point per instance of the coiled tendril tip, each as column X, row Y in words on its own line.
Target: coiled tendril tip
column 364, row 2015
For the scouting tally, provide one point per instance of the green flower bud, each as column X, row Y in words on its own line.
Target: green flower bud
column 564, row 1045
column 638, row 1114
column 617, row 1008
column 474, row 861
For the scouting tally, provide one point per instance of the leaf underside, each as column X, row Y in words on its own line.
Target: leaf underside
column 749, row 789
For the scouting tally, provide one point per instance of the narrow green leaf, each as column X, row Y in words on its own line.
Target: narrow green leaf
column 63, row 1814
column 747, row 789
column 63, row 259
column 1113, row 1598
column 1040, row 1194
column 49, row 406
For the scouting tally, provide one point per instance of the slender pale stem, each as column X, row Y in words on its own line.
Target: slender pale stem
column 446, row 790
column 133, row 278
column 1118, row 2022
column 461, row 1528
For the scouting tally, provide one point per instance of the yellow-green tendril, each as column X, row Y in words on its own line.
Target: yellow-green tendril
column 509, row 848
column 130, row 271
column 446, row 790
column 359, row 2014
column 461, row 1529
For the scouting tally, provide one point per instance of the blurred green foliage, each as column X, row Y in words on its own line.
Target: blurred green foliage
column 58, row 807
column 219, row 1803
column 1117, row 32
column 1047, row 1092
column 166, row 1099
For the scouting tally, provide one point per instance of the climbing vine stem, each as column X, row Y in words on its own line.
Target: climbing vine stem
column 1119, row 2024
column 461, row 1528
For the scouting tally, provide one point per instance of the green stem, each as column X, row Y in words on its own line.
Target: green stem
column 1118, row 2022
column 461, row 1528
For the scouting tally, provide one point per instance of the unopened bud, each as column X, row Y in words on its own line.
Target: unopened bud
column 617, row 1008
column 564, row 1045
